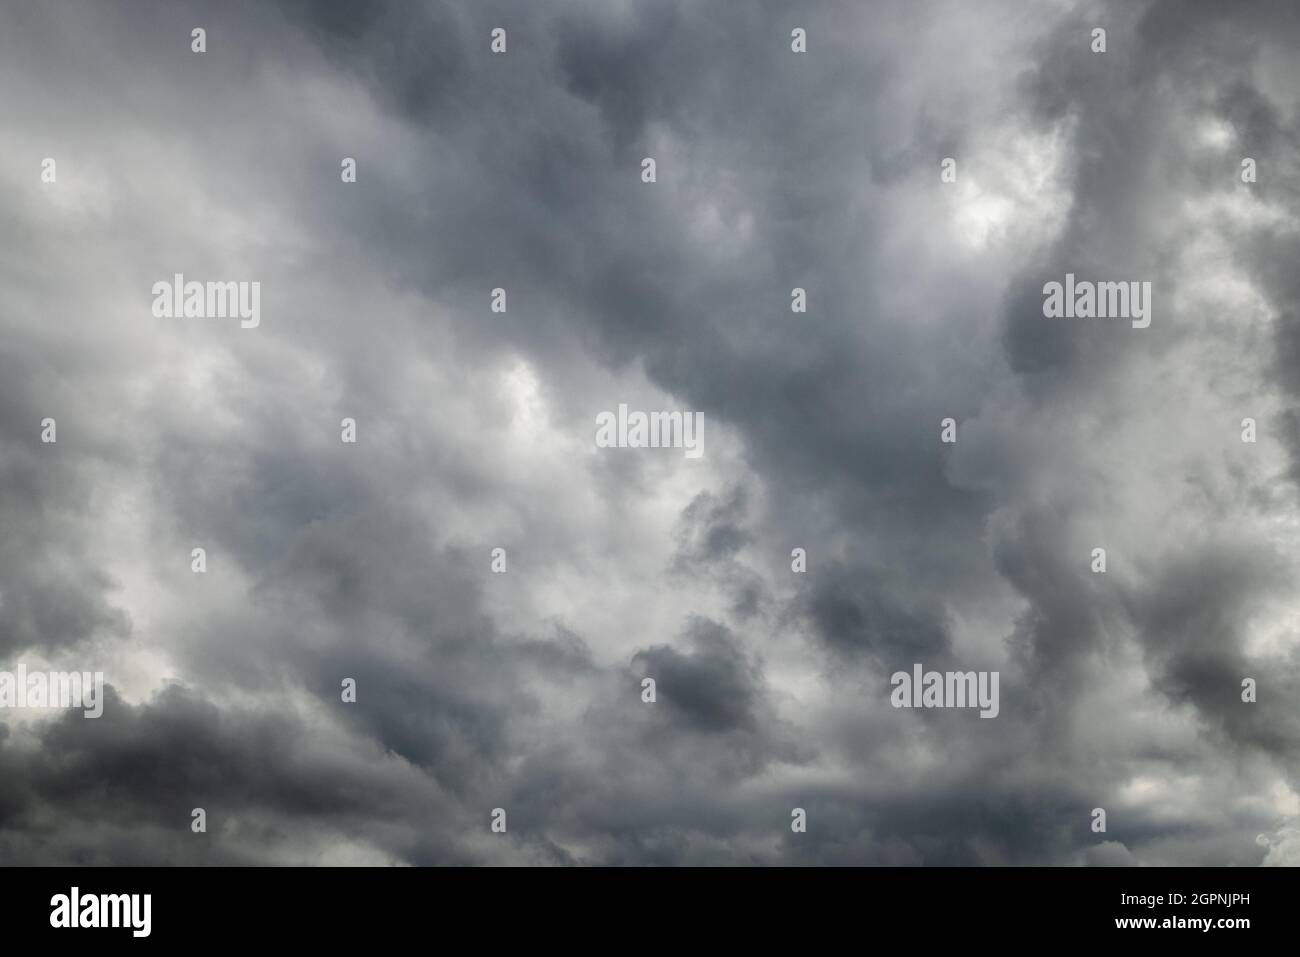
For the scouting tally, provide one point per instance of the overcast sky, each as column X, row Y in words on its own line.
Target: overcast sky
column 475, row 430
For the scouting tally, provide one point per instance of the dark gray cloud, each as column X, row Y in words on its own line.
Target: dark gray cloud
column 478, row 690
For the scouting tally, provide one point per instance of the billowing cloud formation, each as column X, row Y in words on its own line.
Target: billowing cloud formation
column 522, row 690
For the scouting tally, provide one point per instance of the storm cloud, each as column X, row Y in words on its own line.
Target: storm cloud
column 519, row 687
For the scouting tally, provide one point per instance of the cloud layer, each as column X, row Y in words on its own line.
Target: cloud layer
column 523, row 690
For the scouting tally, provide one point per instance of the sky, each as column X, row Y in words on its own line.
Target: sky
column 521, row 690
